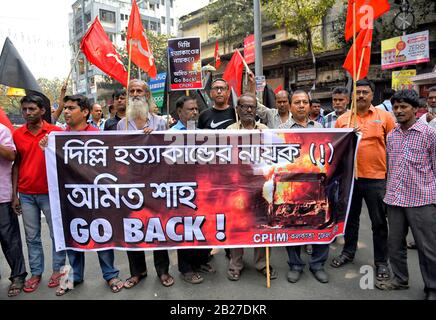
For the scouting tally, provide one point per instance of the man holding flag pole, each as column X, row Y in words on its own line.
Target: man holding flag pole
column 374, row 125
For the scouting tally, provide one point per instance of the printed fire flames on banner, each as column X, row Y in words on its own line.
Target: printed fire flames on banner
column 199, row 189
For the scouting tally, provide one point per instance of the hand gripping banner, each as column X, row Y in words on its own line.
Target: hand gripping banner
column 199, row 189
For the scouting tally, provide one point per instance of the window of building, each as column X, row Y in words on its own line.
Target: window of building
column 81, row 63
column 122, row 17
column 162, row 2
column 153, row 26
column 145, row 24
column 87, row 17
column 111, row 36
column 107, row 16
column 152, row 7
column 172, row 22
column 171, row 3
column 78, row 26
column 162, row 19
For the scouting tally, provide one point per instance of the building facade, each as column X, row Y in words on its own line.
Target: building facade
column 157, row 16
column 282, row 66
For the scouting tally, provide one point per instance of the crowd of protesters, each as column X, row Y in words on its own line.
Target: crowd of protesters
column 396, row 177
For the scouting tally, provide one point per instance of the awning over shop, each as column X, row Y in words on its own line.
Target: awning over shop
column 425, row 78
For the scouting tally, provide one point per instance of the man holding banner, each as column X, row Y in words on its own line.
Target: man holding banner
column 246, row 108
column 76, row 112
column 139, row 117
column 30, row 190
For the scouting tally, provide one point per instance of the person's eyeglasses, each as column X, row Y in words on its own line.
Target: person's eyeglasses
column 219, row 88
column 245, row 107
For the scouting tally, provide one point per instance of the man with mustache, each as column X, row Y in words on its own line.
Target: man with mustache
column 275, row 117
column 246, row 108
column 30, row 190
column 430, row 117
column 340, row 100
column 375, row 124
column 119, row 104
column 410, row 193
column 139, row 117
column 300, row 108
column 76, row 113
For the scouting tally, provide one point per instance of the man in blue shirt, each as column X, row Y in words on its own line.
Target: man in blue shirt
column 189, row 260
column 187, row 110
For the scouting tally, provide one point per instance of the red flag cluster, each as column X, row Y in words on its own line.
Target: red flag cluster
column 99, row 50
column 366, row 11
column 233, row 72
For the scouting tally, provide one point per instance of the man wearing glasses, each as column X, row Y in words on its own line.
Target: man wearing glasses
column 246, row 108
column 221, row 115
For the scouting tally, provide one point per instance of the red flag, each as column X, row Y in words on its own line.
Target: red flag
column 363, row 40
column 233, row 72
column 5, row 120
column 217, row 56
column 142, row 55
column 100, row 51
column 366, row 12
column 278, row 89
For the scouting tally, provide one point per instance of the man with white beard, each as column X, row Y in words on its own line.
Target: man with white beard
column 138, row 113
column 139, row 117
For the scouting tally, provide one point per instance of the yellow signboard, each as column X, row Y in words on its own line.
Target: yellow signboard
column 15, row 92
column 403, row 79
column 405, row 50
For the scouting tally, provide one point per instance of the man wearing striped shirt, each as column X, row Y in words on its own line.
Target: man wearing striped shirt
column 340, row 100
column 411, row 193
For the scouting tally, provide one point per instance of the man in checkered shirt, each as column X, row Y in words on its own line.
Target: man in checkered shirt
column 340, row 100
column 411, row 193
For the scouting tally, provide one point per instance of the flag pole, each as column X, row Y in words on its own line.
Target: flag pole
column 268, row 275
column 72, row 67
column 354, row 104
column 128, row 80
column 360, row 64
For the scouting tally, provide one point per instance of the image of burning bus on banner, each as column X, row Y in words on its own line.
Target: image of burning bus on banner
column 298, row 196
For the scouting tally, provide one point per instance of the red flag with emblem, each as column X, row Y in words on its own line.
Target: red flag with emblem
column 366, row 12
column 100, row 51
column 233, row 72
column 363, row 40
column 141, row 55
column 217, row 56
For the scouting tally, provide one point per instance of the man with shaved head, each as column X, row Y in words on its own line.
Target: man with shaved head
column 275, row 117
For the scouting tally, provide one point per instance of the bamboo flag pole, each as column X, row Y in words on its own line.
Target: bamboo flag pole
column 128, row 81
column 354, row 103
column 72, row 67
column 361, row 63
column 268, row 275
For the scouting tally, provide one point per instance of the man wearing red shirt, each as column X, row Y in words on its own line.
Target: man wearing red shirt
column 30, row 190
